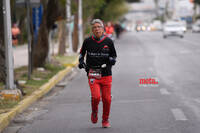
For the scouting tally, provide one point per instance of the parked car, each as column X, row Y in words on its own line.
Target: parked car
column 173, row 28
column 196, row 27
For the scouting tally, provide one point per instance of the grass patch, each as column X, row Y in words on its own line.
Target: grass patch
column 1, row 85
column 66, row 59
column 6, row 104
column 38, row 78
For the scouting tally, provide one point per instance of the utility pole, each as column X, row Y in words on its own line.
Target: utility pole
column 80, row 23
column 8, row 45
column 156, row 7
column 68, row 13
column 166, row 12
column 29, row 40
column 173, row 6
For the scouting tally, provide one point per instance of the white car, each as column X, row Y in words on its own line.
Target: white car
column 196, row 27
column 173, row 29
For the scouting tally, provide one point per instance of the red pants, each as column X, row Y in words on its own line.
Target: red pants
column 101, row 88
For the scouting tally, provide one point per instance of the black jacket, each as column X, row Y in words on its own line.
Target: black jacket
column 97, row 53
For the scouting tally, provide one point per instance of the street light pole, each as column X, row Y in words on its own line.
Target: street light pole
column 80, row 23
column 68, row 13
column 29, row 40
column 8, row 45
column 156, row 7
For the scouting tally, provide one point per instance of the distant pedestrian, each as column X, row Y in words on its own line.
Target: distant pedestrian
column 100, row 57
column 118, row 29
column 109, row 29
column 15, row 34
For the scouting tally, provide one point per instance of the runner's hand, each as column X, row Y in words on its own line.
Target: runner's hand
column 112, row 60
column 81, row 65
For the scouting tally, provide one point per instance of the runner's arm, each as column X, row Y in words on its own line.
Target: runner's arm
column 113, row 54
column 82, row 55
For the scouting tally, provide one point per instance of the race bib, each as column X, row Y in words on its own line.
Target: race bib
column 94, row 73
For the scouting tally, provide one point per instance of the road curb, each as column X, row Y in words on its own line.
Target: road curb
column 5, row 118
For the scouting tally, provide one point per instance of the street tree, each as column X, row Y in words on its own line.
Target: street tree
column 197, row 2
column 2, row 47
column 62, row 31
column 111, row 10
column 62, row 37
column 75, row 30
column 89, row 10
column 52, row 11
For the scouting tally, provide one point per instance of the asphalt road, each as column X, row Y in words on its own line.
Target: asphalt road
column 171, row 106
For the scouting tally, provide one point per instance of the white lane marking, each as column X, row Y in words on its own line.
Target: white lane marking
column 164, row 91
column 178, row 114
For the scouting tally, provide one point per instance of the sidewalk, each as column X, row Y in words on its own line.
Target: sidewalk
column 21, row 53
